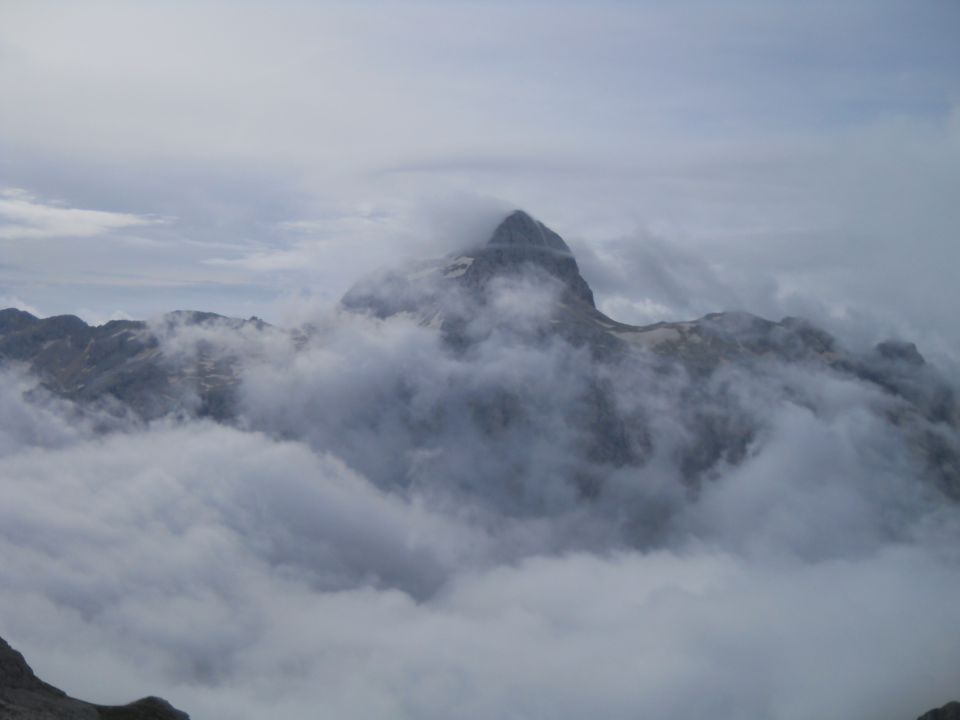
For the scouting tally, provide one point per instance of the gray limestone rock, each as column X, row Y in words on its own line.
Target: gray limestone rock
column 520, row 243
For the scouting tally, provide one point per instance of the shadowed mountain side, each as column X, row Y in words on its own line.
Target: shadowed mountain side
column 121, row 364
column 23, row 696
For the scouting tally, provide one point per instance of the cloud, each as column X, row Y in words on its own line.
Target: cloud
column 396, row 529
column 25, row 423
column 393, row 529
column 23, row 217
column 237, row 575
column 642, row 280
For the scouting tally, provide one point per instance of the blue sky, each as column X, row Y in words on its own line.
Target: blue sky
column 241, row 157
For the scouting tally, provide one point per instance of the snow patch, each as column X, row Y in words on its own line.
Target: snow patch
column 458, row 267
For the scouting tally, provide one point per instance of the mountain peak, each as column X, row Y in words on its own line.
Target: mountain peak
column 519, row 246
column 520, row 241
column 519, row 229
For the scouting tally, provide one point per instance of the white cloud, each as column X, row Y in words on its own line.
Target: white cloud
column 369, row 542
column 24, row 216
column 237, row 576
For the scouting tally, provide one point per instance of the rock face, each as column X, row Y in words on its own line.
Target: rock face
column 23, row 696
column 520, row 240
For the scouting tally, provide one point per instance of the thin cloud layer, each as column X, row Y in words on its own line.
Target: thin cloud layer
column 25, row 217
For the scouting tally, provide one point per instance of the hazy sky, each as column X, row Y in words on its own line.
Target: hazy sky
column 772, row 156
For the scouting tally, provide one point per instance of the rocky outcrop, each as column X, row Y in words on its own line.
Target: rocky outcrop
column 23, row 696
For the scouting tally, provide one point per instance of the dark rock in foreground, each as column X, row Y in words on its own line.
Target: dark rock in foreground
column 25, row 696
column 950, row 711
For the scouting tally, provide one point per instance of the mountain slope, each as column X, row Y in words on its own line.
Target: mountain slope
column 122, row 363
column 526, row 280
column 24, row 696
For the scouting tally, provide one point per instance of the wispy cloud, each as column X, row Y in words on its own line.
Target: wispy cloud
column 24, row 216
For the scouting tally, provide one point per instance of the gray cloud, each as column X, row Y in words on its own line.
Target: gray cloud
column 31, row 424
column 192, row 562
column 397, row 529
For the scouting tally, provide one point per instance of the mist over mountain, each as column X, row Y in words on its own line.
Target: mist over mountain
column 464, row 484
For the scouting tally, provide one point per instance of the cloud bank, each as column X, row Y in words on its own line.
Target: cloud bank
column 396, row 529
